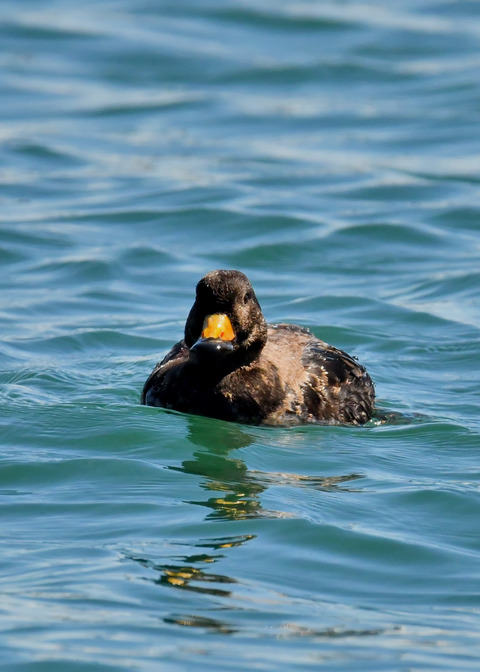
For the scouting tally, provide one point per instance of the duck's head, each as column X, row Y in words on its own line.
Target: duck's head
column 225, row 328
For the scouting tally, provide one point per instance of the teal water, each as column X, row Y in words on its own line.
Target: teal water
column 331, row 152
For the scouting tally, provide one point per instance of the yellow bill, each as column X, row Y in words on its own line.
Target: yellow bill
column 218, row 326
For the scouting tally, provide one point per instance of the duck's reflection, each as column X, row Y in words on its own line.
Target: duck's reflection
column 234, row 494
column 187, row 575
column 240, row 487
column 229, row 476
column 210, row 624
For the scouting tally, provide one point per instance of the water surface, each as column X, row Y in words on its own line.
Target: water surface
column 328, row 150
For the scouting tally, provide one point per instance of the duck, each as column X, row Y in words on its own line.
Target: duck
column 231, row 365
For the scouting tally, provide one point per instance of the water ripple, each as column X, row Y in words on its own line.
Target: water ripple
column 330, row 150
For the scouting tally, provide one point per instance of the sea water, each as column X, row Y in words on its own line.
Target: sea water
column 330, row 151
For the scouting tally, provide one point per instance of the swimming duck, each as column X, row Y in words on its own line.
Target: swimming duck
column 232, row 365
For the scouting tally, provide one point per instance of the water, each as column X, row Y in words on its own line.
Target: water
column 331, row 152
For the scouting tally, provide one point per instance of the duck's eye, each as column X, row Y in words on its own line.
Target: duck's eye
column 247, row 297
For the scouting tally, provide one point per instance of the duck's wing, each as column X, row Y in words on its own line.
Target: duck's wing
column 336, row 384
column 178, row 353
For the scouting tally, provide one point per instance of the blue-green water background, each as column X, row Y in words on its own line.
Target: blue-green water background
column 331, row 151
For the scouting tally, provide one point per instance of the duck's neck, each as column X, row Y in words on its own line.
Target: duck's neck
column 212, row 369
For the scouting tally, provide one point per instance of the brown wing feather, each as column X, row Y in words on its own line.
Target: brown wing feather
column 179, row 351
column 337, row 385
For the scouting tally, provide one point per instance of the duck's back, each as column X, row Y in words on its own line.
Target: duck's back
column 321, row 383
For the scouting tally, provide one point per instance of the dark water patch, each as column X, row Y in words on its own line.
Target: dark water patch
column 272, row 254
column 346, row 71
column 398, row 236
column 43, row 154
column 52, row 665
column 74, row 270
column 283, row 19
column 81, row 341
column 459, row 219
column 8, row 256
column 26, row 28
column 153, row 104
column 395, row 192
column 22, row 240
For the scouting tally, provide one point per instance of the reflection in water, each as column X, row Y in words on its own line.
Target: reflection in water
column 236, row 506
column 237, row 497
column 223, row 474
column 291, row 630
column 210, row 624
column 286, row 631
column 228, row 542
column 187, row 576
column 240, row 487
column 326, row 483
column 384, row 416
column 221, row 436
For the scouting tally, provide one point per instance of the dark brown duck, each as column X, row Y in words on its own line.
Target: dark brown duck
column 233, row 366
